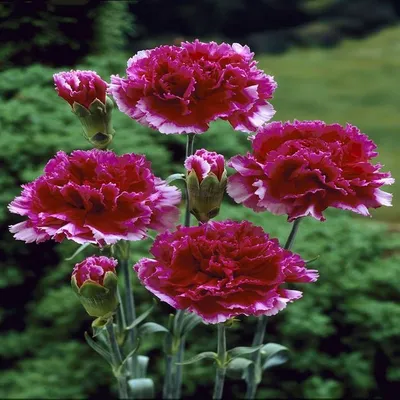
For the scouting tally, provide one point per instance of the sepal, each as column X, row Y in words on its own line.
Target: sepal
column 98, row 300
column 96, row 122
column 205, row 197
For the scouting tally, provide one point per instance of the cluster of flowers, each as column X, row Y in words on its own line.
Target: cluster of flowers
column 219, row 269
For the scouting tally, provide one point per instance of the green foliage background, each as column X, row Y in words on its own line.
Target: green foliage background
column 343, row 334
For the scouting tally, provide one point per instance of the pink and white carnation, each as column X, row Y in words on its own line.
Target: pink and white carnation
column 95, row 197
column 220, row 270
column 82, row 87
column 181, row 89
column 204, row 162
column 304, row 167
column 93, row 269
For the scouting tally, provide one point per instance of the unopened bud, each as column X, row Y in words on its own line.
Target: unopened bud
column 95, row 283
column 85, row 91
column 206, row 180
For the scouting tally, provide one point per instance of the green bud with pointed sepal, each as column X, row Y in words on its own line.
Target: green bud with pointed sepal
column 205, row 197
column 96, row 122
column 206, row 180
column 95, row 283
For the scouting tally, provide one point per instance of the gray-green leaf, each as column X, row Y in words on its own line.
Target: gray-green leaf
column 151, row 327
column 241, row 351
column 141, row 318
column 98, row 349
column 274, row 354
column 79, row 250
column 199, row 357
column 175, row 177
column 237, row 367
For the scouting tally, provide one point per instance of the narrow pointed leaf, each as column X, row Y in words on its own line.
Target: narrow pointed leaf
column 190, row 322
column 274, row 354
column 79, row 250
column 199, row 357
column 141, row 318
column 175, row 177
column 240, row 351
column 178, row 322
column 151, row 327
column 98, row 349
column 237, row 367
column 312, row 259
column 142, row 388
column 130, row 354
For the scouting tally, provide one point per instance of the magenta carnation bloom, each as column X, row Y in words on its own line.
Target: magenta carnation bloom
column 181, row 89
column 82, row 87
column 93, row 269
column 304, row 167
column 222, row 269
column 95, row 197
column 204, row 162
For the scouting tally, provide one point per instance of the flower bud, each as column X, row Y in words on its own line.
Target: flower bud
column 206, row 179
column 85, row 91
column 95, row 283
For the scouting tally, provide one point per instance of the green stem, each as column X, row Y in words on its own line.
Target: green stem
column 179, row 369
column 189, row 152
column 121, row 323
column 221, row 363
column 130, row 314
column 117, row 361
column 292, row 234
column 253, row 379
column 173, row 383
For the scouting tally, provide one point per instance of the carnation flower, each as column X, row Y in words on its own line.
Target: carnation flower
column 93, row 269
column 82, row 87
column 85, row 91
column 95, row 283
column 222, row 269
column 302, row 168
column 206, row 181
column 95, row 197
column 181, row 89
column 205, row 163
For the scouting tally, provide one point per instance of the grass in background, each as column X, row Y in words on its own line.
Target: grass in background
column 357, row 82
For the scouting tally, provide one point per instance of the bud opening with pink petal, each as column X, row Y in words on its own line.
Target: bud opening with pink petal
column 85, row 91
column 206, row 179
column 95, row 283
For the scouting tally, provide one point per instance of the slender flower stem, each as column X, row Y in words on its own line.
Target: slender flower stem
column 221, row 366
column 168, row 389
column 179, row 369
column 253, row 378
column 189, row 152
column 117, row 361
column 121, row 323
column 173, row 379
column 292, row 234
column 130, row 314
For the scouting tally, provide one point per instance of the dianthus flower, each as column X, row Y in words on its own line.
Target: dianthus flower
column 82, row 87
column 95, row 197
column 181, row 89
column 222, row 269
column 93, row 269
column 95, row 283
column 304, row 167
column 206, row 182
